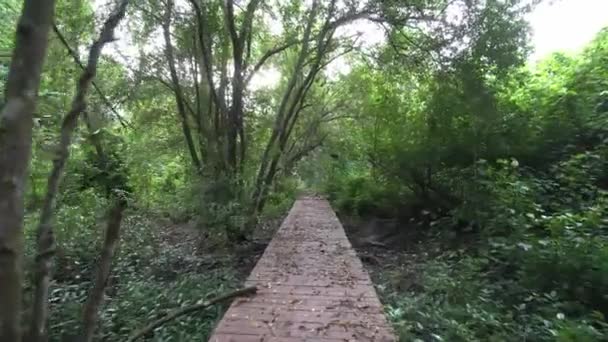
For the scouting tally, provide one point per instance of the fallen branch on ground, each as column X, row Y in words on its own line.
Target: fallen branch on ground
column 377, row 244
column 370, row 259
column 188, row 309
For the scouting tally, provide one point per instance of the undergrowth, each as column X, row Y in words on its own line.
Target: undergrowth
column 150, row 277
column 532, row 264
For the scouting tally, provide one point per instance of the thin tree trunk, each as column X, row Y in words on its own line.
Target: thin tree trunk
column 236, row 111
column 223, row 115
column 219, row 112
column 237, row 144
column 243, row 150
column 231, row 144
column 286, row 120
column 46, row 243
column 16, row 120
column 179, row 96
column 112, row 234
column 198, row 112
column 124, row 123
column 279, row 121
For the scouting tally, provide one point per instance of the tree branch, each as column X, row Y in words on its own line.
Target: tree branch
column 228, row 7
column 245, row 34
column 205, row 42
column 45, row 238
column 266, row 56
column 104, row 99
column 184, row 311
column 303, row 153
column 268, row 160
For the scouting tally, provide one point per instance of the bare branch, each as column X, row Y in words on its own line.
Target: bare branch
column 267, row 55
column 184, row 311
column 304, row 152
column 104, row 98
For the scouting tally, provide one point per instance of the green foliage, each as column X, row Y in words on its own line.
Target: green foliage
column 538, row 272
column 9, row 11
column 457, row 301
column 504, row 168
column 281, row 197
column 221, row 210
column 359, row 194
column 444, row 129
column 497, row 198
column 148, row 279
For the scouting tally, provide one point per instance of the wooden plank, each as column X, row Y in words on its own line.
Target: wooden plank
column 361, row 291
column 311, row 287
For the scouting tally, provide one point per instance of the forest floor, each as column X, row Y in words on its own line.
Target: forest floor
column 200, row 252
column 197, row 254
column 437, row 286
column 161, row 266
column 432, row 284
column 396, row 260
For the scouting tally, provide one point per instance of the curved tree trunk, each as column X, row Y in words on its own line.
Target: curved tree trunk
column 46, row 241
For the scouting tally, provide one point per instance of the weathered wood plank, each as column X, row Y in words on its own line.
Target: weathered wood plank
column 311, row 287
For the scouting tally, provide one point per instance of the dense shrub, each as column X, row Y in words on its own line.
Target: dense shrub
column 506, row 171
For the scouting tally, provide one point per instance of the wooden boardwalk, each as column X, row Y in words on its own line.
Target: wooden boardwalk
column 311, row 287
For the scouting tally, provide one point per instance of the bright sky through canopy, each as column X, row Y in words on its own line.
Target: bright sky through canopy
column 557, row 25
column 566, row 25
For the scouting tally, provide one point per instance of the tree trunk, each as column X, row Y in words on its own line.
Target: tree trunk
column 288, row 113
column 112, row 234
column 46, row 243
column 16, row 120
column 179, row 96
column 279, row 124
